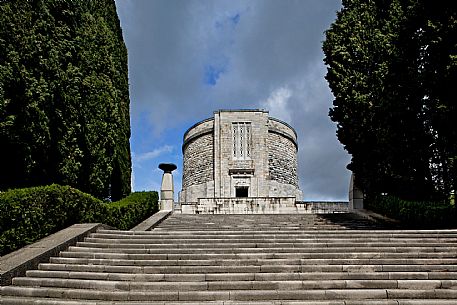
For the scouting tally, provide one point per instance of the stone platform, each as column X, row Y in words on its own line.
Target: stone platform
column 333, row 259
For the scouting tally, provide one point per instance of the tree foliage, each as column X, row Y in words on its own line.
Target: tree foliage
column 64, row 101
column 414, row 214
column 392, row 70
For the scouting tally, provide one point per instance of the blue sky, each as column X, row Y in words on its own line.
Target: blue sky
column 190, row 58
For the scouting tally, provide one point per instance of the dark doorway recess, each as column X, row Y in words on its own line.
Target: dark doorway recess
column 241, row 191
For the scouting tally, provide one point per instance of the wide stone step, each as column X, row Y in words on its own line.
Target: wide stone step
column 158, row 231
column 266, row 226
column 254, row 262
column 233, row 285
column 237, row 226
column 244, row 276
column 138, row 244
column 8, row 300
column 236, row 295
column 289, row 239
column 280, row 252
column 295, row 235
column 247, row 269
column 46, row 301
column 257, row 256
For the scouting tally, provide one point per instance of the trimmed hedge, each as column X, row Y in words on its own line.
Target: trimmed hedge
column 29, row 214
column 128, row 212
column 415, row 214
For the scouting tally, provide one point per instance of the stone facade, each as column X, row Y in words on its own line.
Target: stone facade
column 239, row 153
column 198, row 161
column 282, row 159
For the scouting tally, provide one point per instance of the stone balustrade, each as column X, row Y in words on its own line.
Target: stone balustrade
column 261, row 205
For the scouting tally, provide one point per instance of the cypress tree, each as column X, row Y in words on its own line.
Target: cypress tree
column 391, row 66
column 64, row 100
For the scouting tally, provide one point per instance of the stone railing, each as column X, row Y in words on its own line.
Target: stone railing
column 187, row 208
column 323, row 207
column 249, row 205
column 261, row 205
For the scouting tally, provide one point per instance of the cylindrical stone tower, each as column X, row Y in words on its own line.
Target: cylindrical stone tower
column 239, row 153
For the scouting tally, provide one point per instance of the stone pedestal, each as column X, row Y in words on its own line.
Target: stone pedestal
column 167, row 189
column 355, row 195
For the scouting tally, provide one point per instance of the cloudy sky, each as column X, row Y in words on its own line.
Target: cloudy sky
column 190, row 58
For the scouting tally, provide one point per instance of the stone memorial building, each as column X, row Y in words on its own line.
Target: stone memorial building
column 239, row 156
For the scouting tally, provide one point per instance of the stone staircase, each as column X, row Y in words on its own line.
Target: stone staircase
column 249, row 259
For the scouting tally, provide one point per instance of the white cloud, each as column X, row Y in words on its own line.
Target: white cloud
column 146, row 156
column 277, row 104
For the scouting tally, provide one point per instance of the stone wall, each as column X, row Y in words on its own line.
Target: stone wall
column 280, row 127
column 253, row 171
column 202, row 127
column 282, row 159
column 198, row 160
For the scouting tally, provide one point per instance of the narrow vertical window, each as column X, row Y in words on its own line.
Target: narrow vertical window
column 234, row 140
column 241, row 140
column 248, row 140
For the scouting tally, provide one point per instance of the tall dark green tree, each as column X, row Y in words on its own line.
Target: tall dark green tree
column 64, row 99
column 391, row 64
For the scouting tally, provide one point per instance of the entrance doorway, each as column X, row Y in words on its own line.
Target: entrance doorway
column 241, row 191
